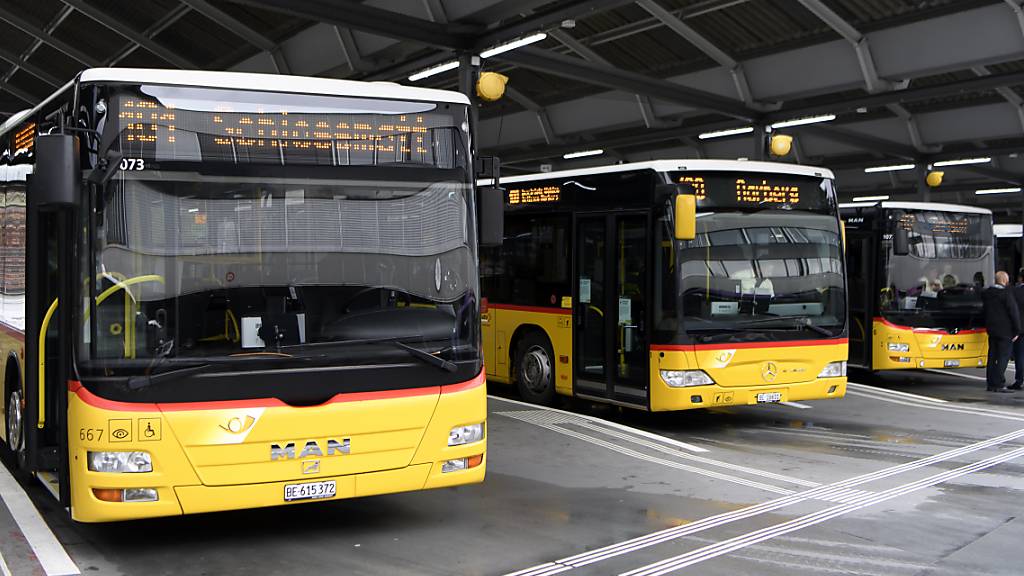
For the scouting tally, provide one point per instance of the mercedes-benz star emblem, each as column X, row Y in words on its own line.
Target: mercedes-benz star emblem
column 769, row 371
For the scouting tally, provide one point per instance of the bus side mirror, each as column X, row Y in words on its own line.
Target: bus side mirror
column 900, row 243
column 685, row 217
column 492, row 215
column 55, row 179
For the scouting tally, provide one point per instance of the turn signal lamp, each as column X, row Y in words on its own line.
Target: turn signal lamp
column 491, row 86
column 934, row 178
column 461, row 464
column 126, row 494
column 781, row 144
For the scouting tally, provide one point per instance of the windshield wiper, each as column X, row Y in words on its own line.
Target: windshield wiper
column 397, row 341
column 193, row 366
column 798, row 321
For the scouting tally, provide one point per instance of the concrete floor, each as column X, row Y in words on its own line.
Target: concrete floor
column 881, row 482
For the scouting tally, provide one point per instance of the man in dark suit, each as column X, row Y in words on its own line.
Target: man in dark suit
column 1018, row 344
column 1002, row 321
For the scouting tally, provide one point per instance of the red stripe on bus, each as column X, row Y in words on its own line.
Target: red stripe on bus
column 927, row 330
column 541, row 309
column 94, row 400
column 746, row 345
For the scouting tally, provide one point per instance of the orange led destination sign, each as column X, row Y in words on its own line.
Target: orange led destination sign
column 147, row 122
column 743, row 190
column 25, row 138
column 536, row 195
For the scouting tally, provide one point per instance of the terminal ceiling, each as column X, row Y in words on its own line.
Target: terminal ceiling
column 910, row 81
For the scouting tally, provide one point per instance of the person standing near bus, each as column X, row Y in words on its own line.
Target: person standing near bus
column 1018, row 344
column 1002, row 321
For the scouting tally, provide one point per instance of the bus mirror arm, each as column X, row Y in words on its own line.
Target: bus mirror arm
column 106, row 168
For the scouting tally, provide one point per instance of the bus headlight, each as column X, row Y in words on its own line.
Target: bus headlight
column 899, row 347
column 466, row 434
column 833, row 370
column 685, row 378
column 129, row 462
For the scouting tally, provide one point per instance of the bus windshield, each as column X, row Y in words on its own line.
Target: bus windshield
column 769, row 274
column 940, row 280
column 284, row 226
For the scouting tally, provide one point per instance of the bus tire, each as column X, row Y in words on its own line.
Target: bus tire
column 14, row 419
column 535, row 369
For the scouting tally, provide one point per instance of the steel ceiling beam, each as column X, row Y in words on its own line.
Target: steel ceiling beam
column 859, row 41
column 119, row 27
column 46, row 37
column 615, row 78
column 32, row 69
column 541, row 20
column 242, row 30
column 353, row 14
column 159, row 26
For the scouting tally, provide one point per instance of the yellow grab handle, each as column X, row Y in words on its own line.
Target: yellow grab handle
column 41, row 422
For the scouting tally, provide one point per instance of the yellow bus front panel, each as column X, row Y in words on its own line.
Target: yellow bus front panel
column 901, row 347
column 213, row 456
column 777, row 371
column 500, row 324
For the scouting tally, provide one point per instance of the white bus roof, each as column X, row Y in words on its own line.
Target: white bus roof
column 1008, row 230
column 937, row 206
column 678, row 165
column 251, row 81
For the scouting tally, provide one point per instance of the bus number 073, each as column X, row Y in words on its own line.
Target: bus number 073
column 133, row 164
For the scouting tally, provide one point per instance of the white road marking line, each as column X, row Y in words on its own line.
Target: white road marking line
column 701, row 459
column 705, row 553
column 796, row 405
column 50, row 554
column 951, row 373
column 3, row 566
column 610, row 424
column 868, row 388
column 525, row 416
column 625, row 547
column 965, row 410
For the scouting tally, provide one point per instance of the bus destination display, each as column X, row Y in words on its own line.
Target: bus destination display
column 726, row 189
column 152, row 130
column 534, row 195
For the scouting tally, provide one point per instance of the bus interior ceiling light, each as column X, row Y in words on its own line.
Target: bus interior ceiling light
column 501, row 49
column 804, row 121
column 996, row 191
column 869, row 198
column 434, row 71
column 724, row 133
column 890, row 168
column 524, row 41
column 962, row 161
column 583, row 154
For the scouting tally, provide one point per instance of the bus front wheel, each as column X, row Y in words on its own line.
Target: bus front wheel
column 535, row 372
column 14, row 416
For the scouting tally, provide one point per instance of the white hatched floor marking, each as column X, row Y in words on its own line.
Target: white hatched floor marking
column 3, row 566
column 50, row 554
column 868, row 388
column 796, row 405
column 837, row 488
column 709, row 552
column 950, row 407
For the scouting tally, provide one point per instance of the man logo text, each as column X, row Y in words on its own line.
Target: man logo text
column 952, row 347
column 312, row 448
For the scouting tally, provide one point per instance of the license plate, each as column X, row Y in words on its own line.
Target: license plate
column 951, row 363
column 769, row 397
column 310, row 490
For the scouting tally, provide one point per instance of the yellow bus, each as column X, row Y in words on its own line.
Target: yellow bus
column 226, row 290
column 669, row 285
column 923, row 267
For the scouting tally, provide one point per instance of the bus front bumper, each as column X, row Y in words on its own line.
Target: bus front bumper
column 665, row 398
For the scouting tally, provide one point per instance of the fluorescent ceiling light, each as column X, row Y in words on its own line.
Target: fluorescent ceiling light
column 962, row 162
column 730, row 132
column 802, row 121
column 583, row 154
column 869, row 198
column 996, row 191
column 892, row 168
column 435, row 70
column 526, row 41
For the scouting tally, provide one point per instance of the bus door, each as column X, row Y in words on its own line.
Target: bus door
column 859, row 270
column 611, row 325
column 50, row 274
